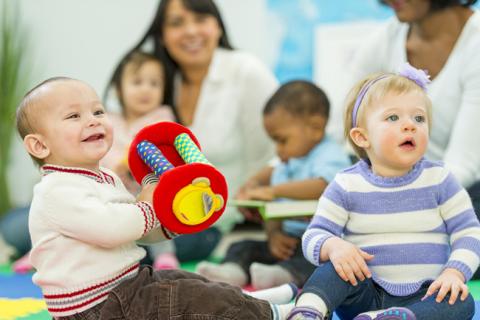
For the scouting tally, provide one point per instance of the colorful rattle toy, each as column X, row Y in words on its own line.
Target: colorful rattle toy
column 191, row 193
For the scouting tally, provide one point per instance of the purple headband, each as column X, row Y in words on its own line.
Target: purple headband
column 420, row 77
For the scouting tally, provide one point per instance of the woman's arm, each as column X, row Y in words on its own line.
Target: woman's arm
column 462, row 155
column 259, row 84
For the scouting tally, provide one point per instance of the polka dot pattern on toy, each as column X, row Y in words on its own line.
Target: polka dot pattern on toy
column 153, row 157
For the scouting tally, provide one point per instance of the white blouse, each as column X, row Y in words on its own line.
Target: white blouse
column 228, row 119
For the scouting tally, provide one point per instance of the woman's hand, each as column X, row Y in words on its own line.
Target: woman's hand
column 450, row 280
column 348, row 260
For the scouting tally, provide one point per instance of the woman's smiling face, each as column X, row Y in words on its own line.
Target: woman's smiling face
column 190, row 37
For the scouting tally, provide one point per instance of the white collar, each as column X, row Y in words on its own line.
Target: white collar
column 100, row 177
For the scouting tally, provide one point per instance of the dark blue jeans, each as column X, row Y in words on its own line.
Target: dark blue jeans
column 474, row 192
column 348, row 301
column 197, row 246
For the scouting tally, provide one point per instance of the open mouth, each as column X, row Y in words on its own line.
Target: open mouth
column 94, row 137
column 409, row 143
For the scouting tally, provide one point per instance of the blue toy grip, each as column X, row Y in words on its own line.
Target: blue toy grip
column 153, row 158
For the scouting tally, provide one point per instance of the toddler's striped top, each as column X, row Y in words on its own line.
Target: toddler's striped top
column 415, row 225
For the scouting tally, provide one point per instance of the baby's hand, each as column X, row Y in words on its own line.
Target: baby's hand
column 450, row 280
column 348, row 260
column 281, row 245
column 264, row 193
column 146, row 194
column 250, row 214
column 242, row 191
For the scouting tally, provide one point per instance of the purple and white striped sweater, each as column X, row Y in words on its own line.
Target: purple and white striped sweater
column 415, row 225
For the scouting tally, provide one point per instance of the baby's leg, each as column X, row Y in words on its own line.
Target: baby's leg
column 229, row 272
column 325, row 291
column 195, row 295
column 267, row 276
column 430, row 309
column 172, row 294
column 235, row 267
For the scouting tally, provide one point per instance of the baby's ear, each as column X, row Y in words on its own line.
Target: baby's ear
column 360, row 137
column 35, row 146
column 317, row 124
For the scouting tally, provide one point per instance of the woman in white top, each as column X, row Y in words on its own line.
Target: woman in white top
column 219, row 93
column 442, row 37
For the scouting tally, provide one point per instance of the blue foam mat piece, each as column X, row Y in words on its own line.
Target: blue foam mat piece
column 16, row 286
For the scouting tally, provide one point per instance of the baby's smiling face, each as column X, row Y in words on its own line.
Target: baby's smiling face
column 72, row 125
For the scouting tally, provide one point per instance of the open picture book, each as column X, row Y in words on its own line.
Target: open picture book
column 279, row 209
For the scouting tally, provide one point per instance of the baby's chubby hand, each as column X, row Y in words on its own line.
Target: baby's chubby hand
column 146, row 194
column 265, row 193
column 450, row 280
column 250, row 214
column 347, row 259
column 282, row 246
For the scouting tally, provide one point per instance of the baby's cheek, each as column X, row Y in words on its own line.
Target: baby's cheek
column 423, row 140
column 387, row 139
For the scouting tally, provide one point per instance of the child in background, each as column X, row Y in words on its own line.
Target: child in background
column 295, row 118
column 395, row 231
column 139, row 84
column 138, row 81
column 84, row 224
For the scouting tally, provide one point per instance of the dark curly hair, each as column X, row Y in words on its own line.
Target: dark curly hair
column 441, row 4
column 299, row 98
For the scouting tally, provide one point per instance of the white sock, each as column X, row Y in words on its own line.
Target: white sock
column 280, row 311
column 281, row 294
column 227, row 272
column 312, row 300
column 267, row 276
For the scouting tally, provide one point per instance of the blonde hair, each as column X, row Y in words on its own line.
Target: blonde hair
column 391, row 83
column 25, row 115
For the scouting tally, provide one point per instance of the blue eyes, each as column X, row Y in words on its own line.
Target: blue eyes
column 420, row 119
column 394, row 117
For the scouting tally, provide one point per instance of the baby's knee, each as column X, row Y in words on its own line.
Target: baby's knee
column 465, row 308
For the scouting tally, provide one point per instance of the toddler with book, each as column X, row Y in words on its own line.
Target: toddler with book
column 295, row 118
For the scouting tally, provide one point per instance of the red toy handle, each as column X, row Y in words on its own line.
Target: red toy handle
column 162, row 135
column 190, row 196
